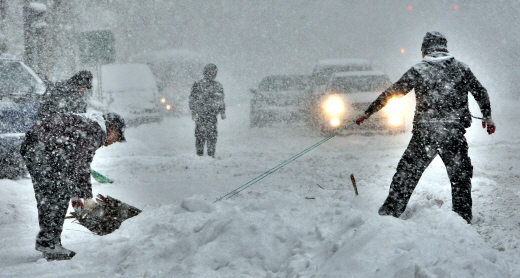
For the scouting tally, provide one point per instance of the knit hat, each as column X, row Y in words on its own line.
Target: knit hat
column 116, row 120
column 434, row 42
column 82, row 79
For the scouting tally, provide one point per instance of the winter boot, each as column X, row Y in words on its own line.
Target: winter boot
column 55, row 252
column 384, row 211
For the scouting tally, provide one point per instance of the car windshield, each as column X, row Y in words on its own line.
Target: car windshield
column 352, row 84
column 320, row 76
column 283, row 83
column 15, row 79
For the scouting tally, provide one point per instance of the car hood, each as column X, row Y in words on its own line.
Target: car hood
column 360, row 97
column 282, row 97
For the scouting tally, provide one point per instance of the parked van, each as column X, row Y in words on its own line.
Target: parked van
column 175, row 71
column 127, row 89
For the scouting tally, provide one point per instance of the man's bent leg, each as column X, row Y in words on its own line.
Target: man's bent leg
column 409, row 170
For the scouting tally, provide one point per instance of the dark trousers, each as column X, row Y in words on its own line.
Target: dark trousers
column 428, row 140
column 210, row 142
column 52, row 192
column 206, row 134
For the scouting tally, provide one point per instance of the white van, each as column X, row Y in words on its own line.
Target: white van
column 175, row 71
column 127, row 89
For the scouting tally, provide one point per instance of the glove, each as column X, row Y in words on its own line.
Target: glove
column 222, row 115
column 80, row 205
column 77, row 203
column 490, row 126
column 361, row 119
column 194, row 116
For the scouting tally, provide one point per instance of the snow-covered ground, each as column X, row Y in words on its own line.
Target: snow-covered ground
column 302, row 221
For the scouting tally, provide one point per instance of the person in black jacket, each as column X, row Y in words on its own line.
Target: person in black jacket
column 441, row 85
column 206, row 102
column 57, row 151
column 67, row 96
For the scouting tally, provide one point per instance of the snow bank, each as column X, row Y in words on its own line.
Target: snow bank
column 286, row 235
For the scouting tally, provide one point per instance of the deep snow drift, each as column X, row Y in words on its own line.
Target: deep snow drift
column 302, row 221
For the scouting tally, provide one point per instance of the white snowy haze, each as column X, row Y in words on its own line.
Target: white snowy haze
column 304, row 220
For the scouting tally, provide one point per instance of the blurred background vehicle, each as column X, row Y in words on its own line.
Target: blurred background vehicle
column 175, row 71
column 128, row 89
column 324, row 69
column 347, row 95
column 278, row 98
column 21, row 91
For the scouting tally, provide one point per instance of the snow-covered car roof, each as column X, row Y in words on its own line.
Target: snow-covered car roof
column 339, row 62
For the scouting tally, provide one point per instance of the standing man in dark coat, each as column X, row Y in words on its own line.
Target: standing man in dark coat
column 441, row 85
column 58, row 150
column 67, row 96
column 206, row 102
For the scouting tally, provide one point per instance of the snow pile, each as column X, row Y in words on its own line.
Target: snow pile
column 286, row 235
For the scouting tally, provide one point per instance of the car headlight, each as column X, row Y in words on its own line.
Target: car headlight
column 334, row 106
column 163, row 100
column 395, row 111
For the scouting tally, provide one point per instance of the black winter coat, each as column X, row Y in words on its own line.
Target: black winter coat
column 207, row 98
column 441, row 86
column 66, row 143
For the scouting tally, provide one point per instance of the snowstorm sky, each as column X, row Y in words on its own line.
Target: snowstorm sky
column 269, row 36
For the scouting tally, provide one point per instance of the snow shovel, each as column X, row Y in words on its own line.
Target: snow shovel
column 100, row 178
column 106, row 216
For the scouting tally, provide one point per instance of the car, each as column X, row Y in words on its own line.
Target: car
column 128, row 89
column 21, row 92
column 348, row 94
column 175, row 71
column 278, row 98
column 324, row 69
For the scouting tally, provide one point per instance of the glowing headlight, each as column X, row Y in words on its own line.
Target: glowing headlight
column 168, row 107
column 334, row 105
column 395, row 110
column 395, row 120
column 163, row 100
column 335, row 122
column 395, row 105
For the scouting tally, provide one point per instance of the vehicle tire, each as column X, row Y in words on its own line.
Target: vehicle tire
column 255, row 117
column 12, row 166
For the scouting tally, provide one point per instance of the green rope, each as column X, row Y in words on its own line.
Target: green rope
column 274, row 169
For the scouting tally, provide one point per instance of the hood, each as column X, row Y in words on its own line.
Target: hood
column 438, row 58
column 96, row 117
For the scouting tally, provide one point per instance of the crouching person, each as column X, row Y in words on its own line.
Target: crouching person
column 58, row 151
